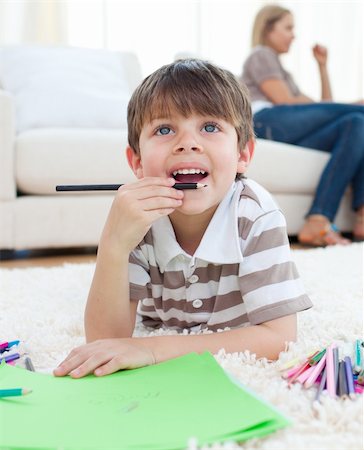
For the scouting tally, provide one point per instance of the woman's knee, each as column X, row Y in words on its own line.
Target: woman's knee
column 354, row 120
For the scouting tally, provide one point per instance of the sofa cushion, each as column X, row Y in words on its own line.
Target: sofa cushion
column 51, row 156
column 285, row 168
column 65, row 86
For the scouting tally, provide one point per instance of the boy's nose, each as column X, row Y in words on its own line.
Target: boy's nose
column 187, row 144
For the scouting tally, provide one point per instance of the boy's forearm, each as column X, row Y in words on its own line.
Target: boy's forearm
column 108, row 310
column 258, row 339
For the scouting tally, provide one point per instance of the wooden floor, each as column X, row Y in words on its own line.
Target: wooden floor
column 47, row 258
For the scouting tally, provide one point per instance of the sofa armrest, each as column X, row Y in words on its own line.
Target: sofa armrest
column 7, row 140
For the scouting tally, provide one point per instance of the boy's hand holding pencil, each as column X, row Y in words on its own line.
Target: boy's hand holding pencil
column 135, row 207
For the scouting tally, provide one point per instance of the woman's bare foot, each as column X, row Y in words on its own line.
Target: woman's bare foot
column 358, row 231
column 319, row 232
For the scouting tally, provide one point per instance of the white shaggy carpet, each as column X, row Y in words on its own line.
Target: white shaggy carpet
column 44, row 308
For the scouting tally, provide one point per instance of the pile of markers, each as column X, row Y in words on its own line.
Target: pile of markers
column 9, row 352
column 329, row 370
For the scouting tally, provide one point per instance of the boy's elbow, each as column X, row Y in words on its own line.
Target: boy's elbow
column 284, row 331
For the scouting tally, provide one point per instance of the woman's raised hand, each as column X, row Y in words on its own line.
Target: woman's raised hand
column 320, row 53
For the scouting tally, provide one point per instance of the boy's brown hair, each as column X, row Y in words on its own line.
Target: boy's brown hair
column 190, row 86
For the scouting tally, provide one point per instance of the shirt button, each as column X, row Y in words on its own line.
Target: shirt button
column 193, row 279
column 197, row 303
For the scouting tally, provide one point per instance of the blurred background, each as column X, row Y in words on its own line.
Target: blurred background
column 218, row 30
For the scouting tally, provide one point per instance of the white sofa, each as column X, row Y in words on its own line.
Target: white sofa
column 33, row 162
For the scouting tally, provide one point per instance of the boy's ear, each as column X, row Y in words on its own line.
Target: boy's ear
column 245, row 156
column 134, row 161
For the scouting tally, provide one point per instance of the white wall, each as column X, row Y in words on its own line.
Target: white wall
column 219, row 30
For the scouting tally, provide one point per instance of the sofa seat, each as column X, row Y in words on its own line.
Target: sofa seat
column 50, row 156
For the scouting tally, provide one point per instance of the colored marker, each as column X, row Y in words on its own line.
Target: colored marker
column 16, row 392
column 361, row 377
column 6, row 345
column 335, row 355
column 9, row 358
column 298, row 373
column 296, row 361
column 349, row 376
column 314, row 359
column 330, row 372
column 304, row 375
column 115, row 187
column 29, row 364
column 358, row 359
column 317, row 369
column 343, row 387
column 322, row 385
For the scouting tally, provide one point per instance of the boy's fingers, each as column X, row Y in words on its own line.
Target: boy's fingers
column 65, row 367
column 148, row 192
column 85, row 367
column 161, row 203
column 130, row 360
column 149, row 181
column 73, row 360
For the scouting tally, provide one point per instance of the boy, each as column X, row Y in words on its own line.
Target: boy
column 207, row 258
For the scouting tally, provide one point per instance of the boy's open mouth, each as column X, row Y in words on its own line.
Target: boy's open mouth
column 189, row 175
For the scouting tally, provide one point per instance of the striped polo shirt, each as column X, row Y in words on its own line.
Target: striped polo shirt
column 241, row 274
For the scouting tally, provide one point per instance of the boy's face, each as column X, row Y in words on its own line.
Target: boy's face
column 196, row 149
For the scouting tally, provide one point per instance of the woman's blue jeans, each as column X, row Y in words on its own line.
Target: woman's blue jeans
column 335, row 128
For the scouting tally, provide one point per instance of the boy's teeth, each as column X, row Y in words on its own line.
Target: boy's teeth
column 188, row 171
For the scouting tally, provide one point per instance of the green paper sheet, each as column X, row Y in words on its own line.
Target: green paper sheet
column 155, row 407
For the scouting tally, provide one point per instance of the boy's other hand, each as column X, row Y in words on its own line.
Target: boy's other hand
column 105, row 356
column 135, row 208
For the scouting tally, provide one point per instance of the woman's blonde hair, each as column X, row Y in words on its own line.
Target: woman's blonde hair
column 264, row 22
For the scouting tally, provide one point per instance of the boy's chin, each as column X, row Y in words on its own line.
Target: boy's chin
column 193, row 208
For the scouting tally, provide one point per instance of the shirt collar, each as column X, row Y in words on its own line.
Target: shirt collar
column 219, row 244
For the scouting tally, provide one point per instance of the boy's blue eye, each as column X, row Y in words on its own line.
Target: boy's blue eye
column 163, row 130
column 210, row 128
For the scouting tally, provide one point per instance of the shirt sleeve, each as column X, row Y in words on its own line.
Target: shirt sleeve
column 139, row 276
column 268, row 278
column 263, row 65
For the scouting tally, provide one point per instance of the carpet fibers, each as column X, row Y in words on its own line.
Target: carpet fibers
column 44, row 309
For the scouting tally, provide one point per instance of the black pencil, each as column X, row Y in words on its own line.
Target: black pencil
column 115, row 187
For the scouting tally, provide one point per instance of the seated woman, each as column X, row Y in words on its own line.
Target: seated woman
column 283, row 113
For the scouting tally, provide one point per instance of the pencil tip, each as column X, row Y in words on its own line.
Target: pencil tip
column 27, row 391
